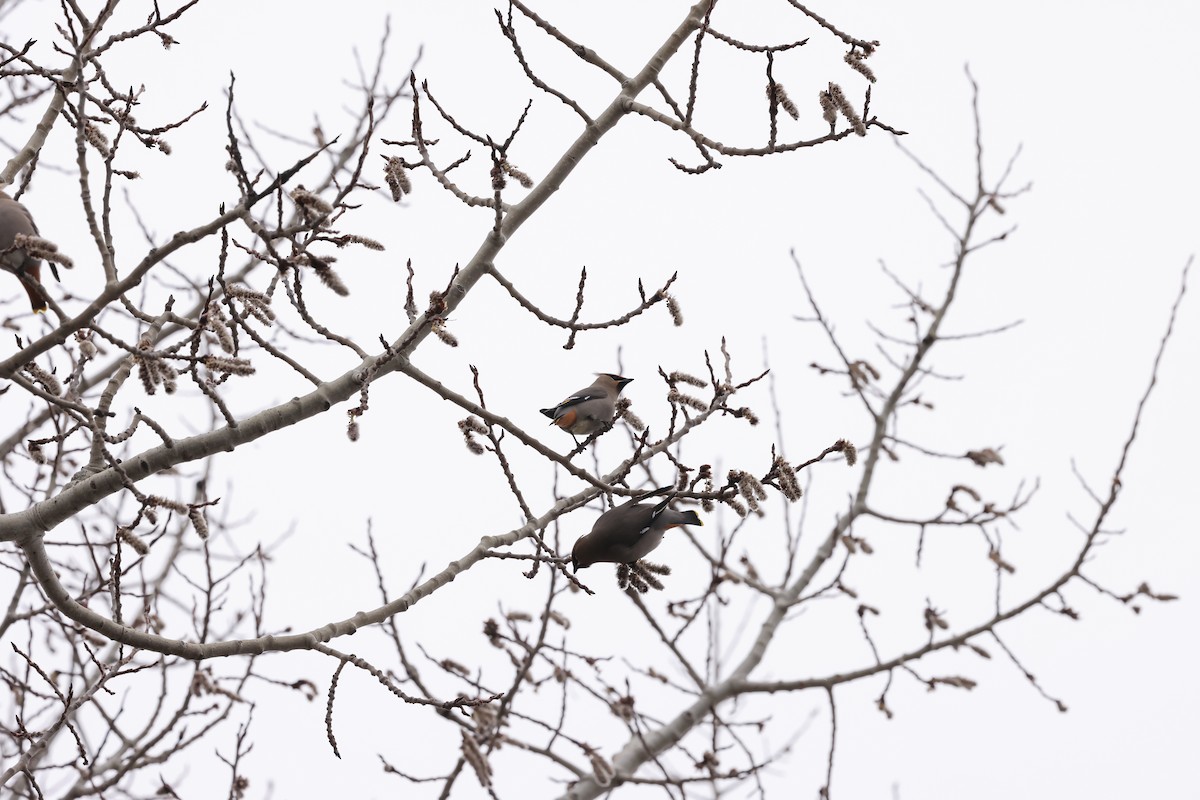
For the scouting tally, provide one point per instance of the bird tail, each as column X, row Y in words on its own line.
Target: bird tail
column 36, row 301
column 671, row 518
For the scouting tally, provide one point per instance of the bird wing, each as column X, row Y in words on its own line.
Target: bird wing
column 644, row 533
column 583, row 397
column 574, row 400
column 15, row 218
column 655, row 513
column 635, row 520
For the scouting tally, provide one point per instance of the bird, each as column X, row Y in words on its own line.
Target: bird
column 591, row 409
column 16, row 219
column 628, row 532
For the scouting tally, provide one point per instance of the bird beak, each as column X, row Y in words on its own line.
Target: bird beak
column 624, row 382
column 574, row 565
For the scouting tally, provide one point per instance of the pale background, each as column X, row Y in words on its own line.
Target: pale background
column 1099, row 95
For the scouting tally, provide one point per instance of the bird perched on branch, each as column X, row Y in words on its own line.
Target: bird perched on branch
column 591, row 409
column 15, row 219
column 628, row 532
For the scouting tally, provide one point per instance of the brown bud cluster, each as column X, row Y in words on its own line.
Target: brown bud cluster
column 154, row 370
column 934, row 619
column 684, row 377
column 558, row 618
column 437, row 304
column 45, row 379
column 995, row 558
column 438, row 326
column 673, row 309
column 229, row 366
column 217, row 324
column 706, row 476
column 475, row 757
column 641, row 576
column 785, row 477
column 450, row 665
column 626, row 413
column 96, row 139
column 37, row 247
column 365, row 241
column 601, row 769
column 748, row 566
column 498, row 179
column 397, row 177
column 327, row 276
column 676, row 396
column 158, row 501
column 882, row 705
column 776, row 92
column 87, row 349
column 470, row 427
column 952, row 504
column 749, row 487
column 856, row 543
column 254, row 302
column 517, row 175
column 198, row 522
column 856, row 59
column 130, row 538
column 623, row 708
column 834, row 96
column 492, row 631
column 981, row 458
column 484, row 718
column 828, row 108
column 747, row 414
column 862, row 373
column 310, row 205
column 847, row 449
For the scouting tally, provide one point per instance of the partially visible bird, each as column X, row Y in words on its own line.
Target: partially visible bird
column 628, row 532
column 16, row 219
column 590, row 409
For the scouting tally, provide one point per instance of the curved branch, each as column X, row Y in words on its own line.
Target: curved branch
column 529, row 306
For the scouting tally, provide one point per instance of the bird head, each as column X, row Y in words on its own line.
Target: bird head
column 617, row 380
column 581, row 555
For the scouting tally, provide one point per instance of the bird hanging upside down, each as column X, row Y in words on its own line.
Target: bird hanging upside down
column 628, row 532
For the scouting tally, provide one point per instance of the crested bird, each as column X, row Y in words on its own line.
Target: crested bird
column 628, row 532
column 591, row 409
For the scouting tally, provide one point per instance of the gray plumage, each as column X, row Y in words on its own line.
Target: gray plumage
column 15, row 219
column 628, row 532
column 590, row 409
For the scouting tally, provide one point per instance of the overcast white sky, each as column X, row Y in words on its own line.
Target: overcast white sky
column 1097, row 94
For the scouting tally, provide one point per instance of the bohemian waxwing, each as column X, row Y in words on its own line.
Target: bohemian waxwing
column 591, row 409
column 15, row 219
column 628, row 532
